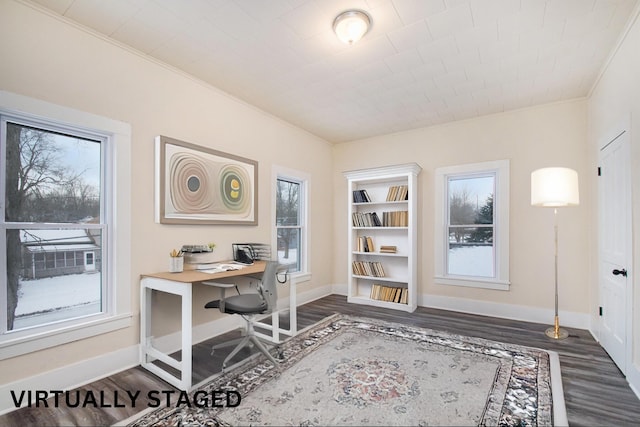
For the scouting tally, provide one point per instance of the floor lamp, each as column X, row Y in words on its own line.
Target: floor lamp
column 555, row 187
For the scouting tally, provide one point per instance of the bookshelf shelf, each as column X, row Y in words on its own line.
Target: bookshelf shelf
column 382, row 234
column 380, row 254
column 391, row 203
column 382, row 279
column 380, row 228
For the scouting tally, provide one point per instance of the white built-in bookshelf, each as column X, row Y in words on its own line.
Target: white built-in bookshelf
column 382, row 236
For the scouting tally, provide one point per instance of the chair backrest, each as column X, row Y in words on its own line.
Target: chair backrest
column 268, row 286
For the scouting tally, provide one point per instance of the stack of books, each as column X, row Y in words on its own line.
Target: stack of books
column 395, row 219
column 361, row 196
column 398, row 193
column 365, row 244
column 388, row 249
column 389, row 293
column 367, row 268
column 366, row 219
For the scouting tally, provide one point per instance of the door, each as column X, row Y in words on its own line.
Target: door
column 615, row 247
column 89, row 261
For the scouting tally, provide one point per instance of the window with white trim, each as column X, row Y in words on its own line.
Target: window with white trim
column 291, row 209
column 57, row 216
column 472, row 225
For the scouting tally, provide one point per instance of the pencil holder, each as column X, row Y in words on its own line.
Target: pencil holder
column 176, row 264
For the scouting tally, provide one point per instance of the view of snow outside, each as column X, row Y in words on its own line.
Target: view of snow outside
column 64, row 297
column 57, row 298
column 471, row 261
column 471, row 251
column 291, row 262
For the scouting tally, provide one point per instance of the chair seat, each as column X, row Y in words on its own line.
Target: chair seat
column 245, row 304
column 262, row 302
column 213, row 304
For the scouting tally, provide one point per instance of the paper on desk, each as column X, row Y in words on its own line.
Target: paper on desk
column 219, row 268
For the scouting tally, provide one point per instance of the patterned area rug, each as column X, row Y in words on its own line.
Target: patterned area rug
column 359, row 371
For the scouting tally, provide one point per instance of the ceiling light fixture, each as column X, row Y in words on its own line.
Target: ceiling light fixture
column 351, row 25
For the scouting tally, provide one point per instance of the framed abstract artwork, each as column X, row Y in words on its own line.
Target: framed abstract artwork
column 199, row 185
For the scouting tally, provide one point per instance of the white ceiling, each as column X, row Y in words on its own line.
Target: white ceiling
column 424, row 62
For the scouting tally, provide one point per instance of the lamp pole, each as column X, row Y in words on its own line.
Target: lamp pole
column 556, row 332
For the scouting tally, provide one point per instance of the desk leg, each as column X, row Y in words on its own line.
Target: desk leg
column 148, row 353
column 293, row 316
column 145, row 323
column 187, row 328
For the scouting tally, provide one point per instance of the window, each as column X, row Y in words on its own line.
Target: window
column 291, row 219
column 472, row 225
column 57, row 197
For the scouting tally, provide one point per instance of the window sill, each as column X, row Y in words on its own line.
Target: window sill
column 41, row 340
column 498, row 285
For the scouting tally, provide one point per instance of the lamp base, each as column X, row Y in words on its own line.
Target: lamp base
column 560, row 334
column 556, row 332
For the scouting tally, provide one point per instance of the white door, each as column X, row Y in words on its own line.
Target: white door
column 615, row 247
column 89, row 261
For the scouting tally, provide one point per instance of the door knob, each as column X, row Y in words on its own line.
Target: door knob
column 617, row 272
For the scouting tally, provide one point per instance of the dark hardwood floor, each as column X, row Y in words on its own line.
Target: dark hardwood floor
column 596, row 392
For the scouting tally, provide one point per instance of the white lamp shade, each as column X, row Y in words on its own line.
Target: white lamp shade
column 554, row 187
column 351, row 25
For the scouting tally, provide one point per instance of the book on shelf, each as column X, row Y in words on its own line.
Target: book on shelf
column 388, row 249
column 395, row 219
column 365, row 244
column 361, row 196
column 398, row 193
column 368, row 268
column 395, row 294
column 368, row 219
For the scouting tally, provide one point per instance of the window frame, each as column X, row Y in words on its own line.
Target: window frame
column 500, row 170
column 304, row 179
column 115, row 140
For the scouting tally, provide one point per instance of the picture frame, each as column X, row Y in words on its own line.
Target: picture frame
column 200, row 185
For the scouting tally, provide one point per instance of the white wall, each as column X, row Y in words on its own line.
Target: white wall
column 548, row 135
column 616, row 97
column 48, row 59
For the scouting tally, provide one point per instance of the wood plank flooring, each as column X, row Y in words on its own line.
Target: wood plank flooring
column 596, row 392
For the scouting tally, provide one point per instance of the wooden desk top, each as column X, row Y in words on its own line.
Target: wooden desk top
column 192, row 276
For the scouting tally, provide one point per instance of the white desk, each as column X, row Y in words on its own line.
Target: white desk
column 181, row 284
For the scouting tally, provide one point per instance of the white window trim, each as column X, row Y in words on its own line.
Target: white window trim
column 117, row 183
column 280, row 172
column 501, row 225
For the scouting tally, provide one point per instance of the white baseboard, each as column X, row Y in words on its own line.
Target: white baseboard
column 340, row 289
column 86, row 371
column 506, row 311
column 633, row 378
column 71, row 376
column 494, row 309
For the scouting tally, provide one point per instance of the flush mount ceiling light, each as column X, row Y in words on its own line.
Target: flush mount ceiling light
column 351, row 25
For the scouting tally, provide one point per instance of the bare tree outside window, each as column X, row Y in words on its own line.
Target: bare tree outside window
column 471, row 226
column 288, row 223
column 53, row 180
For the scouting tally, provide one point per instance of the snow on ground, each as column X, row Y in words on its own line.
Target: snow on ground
column 52, row 293
column 471, row 261
column 57, row 298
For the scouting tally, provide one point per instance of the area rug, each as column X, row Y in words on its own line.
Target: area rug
column 360, row 371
